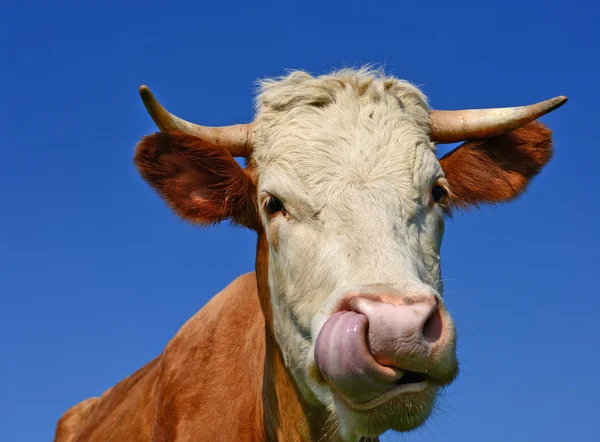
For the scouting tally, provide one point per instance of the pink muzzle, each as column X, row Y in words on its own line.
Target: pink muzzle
column 378, row 342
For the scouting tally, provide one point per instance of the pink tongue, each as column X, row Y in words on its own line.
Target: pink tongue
column 342, row 356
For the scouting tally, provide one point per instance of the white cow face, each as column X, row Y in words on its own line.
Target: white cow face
column 352, row 199
column 345, row 186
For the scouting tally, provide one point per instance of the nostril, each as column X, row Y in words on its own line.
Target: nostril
column 432, row 330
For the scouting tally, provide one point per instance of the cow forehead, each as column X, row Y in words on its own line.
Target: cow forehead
column 350, row 127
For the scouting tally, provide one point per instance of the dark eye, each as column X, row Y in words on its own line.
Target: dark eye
column 273, row 205
column 438, row 193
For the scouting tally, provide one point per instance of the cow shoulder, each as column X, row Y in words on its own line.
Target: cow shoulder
column 72, row 421
column 123, row 412
column 213, row 371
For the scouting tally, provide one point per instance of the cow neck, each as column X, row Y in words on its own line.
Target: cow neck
column 287, row 415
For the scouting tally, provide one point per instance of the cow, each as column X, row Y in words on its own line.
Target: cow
column 341, row 332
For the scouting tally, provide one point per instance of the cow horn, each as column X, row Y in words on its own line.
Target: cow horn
column 458, row 125
column 237, row 139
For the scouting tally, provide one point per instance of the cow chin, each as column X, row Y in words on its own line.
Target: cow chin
column 402, row 407
column 403, row 411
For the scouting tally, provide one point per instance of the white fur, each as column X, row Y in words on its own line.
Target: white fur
column 350, row 157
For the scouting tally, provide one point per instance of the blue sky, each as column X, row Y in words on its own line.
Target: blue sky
column 96, row 275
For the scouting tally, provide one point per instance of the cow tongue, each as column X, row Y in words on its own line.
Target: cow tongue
column 342, row 356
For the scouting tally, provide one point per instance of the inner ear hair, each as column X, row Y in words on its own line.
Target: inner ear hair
column 200, row 181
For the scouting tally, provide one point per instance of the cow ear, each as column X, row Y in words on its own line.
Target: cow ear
column 498, row 169
column 201, row 182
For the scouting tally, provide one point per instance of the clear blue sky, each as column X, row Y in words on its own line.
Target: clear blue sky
column 96, row 275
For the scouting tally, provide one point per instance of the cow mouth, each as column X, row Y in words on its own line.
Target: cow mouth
column 411, row 384
column 412, row 377
column 344, row 360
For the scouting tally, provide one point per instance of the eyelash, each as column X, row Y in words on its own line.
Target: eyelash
column 273, row 206
column 445, row 200
column 438, row 193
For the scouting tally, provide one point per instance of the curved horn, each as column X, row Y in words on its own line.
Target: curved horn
column 237, row 139
column 459, row 125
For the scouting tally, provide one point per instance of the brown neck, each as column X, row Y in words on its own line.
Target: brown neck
column 287, row 414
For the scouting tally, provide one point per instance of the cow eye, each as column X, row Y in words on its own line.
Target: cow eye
column 438, row 193
column 273, row 206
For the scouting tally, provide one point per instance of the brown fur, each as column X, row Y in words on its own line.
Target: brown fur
column 74, row 419
column 497, row 169
column 222, row 377
column 200, row 181
column 111, row 417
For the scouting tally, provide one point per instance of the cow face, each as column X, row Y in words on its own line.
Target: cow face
column 346, row 189
column 352, row 199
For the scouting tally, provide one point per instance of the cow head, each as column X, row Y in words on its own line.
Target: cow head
column 348, row 197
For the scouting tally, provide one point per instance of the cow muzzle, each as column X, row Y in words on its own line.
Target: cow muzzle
column 377, row 347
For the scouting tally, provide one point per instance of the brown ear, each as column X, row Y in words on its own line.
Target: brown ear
column 200, row 181
column 497, row 169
